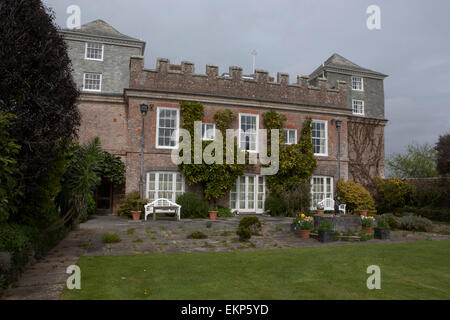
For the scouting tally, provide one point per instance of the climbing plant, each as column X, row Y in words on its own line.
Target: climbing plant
column 215, row 179
column 297, row 161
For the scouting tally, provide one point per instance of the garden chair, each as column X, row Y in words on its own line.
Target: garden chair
column 328, row 204
column 162, row 205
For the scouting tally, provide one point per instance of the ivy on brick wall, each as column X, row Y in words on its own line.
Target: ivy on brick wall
column 215, row 180
column 297, row 161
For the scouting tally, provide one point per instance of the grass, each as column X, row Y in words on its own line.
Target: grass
column 111, row 238
column 415, row 270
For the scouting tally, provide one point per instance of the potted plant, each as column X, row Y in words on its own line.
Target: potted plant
column 382, row 231
column 304, row 224
column 132, row 205
column 363, row 210
column 320, row 209
column 367, row 223
column 326, row 233
column 213, row 213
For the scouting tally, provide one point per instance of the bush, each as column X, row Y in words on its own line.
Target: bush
column 243, row 233
column 224, row 212
column 111, row 238
column 252, row 224
column 354, row 195
column 413, row 223
column 192, row 206
column 12, row 238
column 393, row 193
column 197, row 235
column 275, row 205
column 391, row 220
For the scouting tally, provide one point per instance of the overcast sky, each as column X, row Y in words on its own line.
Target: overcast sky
column 412, row 47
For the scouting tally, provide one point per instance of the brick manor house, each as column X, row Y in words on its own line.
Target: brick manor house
column 108, row 68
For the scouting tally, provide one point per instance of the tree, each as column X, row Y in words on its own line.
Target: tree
column 37, row 86
column 8, row 168
column 443, row 154
column 419, row 161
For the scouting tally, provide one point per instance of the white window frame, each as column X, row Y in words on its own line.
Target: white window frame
column 286, row 136
column 92, row 90
column 255, row 194
column 257, row 129
column 362, row 83
column 326, row 138
column 86, row 51
column 204, row 135
column 177, row 127
column 324, row 182
column 174, row 184
column 353, row 107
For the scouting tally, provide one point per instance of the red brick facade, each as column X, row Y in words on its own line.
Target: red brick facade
column 117, row 119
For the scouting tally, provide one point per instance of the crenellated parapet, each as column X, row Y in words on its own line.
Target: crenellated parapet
column 182, row 78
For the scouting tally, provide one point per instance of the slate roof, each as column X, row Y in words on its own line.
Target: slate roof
column 102, row 29
column 337, row 61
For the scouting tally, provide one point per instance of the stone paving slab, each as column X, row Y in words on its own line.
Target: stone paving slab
column 46, row 279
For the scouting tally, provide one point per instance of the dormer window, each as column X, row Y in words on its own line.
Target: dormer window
column 357, row 83
column 94, row 51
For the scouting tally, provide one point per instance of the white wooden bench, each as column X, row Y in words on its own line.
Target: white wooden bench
column 328, row 204
column 162, row 205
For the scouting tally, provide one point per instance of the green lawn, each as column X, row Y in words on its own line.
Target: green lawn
column 415, row 270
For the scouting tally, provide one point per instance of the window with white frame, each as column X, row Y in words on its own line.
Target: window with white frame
column 208, row 131
column 167, row 128
column 320, row 137
column 290, row 136
column 168, row 185
column 357, row 83
column 248, row 194
column 248, row 134
column 358, row 107
column 321, row 188
column 94, row 51
column 92, row 82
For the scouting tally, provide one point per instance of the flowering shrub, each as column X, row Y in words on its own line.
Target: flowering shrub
column 367, row 222
column 303, row 222
column 354, row 195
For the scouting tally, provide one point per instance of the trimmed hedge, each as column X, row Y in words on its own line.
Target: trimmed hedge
column 434, row 214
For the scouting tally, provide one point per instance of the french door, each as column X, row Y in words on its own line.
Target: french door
column 248, row 194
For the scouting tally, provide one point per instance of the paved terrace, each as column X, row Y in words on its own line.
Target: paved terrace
column 47, row 278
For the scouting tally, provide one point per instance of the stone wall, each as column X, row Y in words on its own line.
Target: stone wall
column 342, row 223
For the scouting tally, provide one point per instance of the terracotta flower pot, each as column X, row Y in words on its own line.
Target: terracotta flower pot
column 212, row 215
column 320, row 211
column 304, row 233
column 136, row 215
column 363, row 212
column 368, row 230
